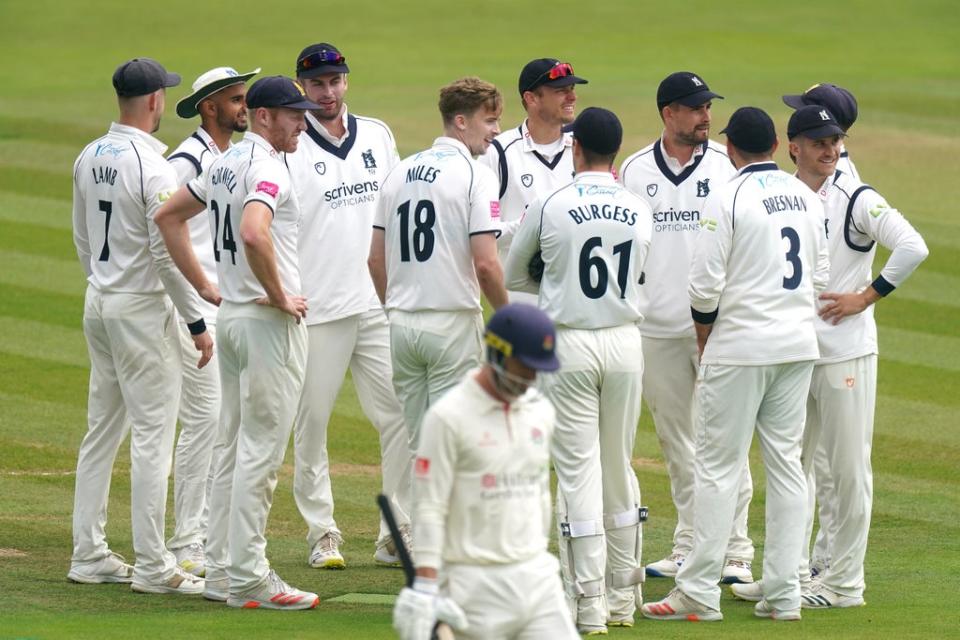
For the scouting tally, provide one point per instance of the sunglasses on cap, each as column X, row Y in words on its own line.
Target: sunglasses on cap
column 559, row 70
column 319, row 59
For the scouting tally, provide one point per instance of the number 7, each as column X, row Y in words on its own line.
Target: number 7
column 107, row 207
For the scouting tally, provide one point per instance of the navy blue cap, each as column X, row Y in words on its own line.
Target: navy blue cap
column 524, row 332
column 320, row 58
column 141, row 76
column 750, row 129
column 598, row 130
column 686, row 88
column 814, row 122
column 278, row 91
column 838, row 100
column 537, row 73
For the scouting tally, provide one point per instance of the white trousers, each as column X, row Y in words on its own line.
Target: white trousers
column 597, row 395
column 134, row 387
column 194, row 453
column 520, row 601
column 362, row 343
column 669, row 382
column 840, row 414
column 431, row 352
column 262, row 353
column 821, row 485
column 733, row 402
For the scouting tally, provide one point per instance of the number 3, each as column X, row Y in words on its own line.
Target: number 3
column 793, row 257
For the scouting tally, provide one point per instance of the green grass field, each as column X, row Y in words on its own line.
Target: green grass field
column 901, row 61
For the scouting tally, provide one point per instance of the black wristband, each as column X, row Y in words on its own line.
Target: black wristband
column 704, row 318
column 882, row 286
column 198, row 327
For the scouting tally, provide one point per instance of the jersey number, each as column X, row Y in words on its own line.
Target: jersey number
column 793, row 257
column 424, row 217
column 228, row 243
column 107, row 207
column 589, row 263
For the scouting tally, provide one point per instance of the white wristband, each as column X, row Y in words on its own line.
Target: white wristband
column 426, row 585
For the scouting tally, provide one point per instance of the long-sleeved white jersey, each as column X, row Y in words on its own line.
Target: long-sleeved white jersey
column 119, row 182
column 338, row 186
column 430, row 205
column 593, row 235
column 482, row 479
column 526, row 171
column 760, row 260
column 250, row 171
column 194, row 156
column 676, row 200
column 857, row 218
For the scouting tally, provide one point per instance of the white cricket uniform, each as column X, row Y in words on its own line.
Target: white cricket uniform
column 481, row 511
column 431, row 204
column 262, row 353
column 593, row 235
column 119, row 182
column 337, row 181
column 760, row 260
column 526, row 171
column 200, row 392
column 676, row 195
column 840, row 408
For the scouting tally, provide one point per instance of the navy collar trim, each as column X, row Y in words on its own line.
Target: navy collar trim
column 760, row 166
column 343, row 150
column 676, row 179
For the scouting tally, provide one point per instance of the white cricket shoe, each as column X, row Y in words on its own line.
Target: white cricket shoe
column 191, row 559
column 822, row 597
column 764, row 609
column 735, row 571
column 386, row 554
column 751, row 591
column 180, row 582
column 666, row 568
column 275, row 594
column 326, row 553
column 679, row 606
column 110, row 568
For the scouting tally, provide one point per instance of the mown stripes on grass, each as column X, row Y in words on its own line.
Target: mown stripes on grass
column 56, row 309
column 37, row 240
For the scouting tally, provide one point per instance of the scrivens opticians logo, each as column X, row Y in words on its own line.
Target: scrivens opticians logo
column 350, row 195
column 674, row 220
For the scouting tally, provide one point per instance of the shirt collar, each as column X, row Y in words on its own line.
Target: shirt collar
column 765, row 165
column 209, row 141
column 487, row 402
column 673, row 164
column 595, row 176
column 565, row 140
column 138, row 134
column 260, row 141
column 453, row 142
column 326, row 135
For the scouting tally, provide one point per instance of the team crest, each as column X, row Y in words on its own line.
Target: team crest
column 536, row 435
column 652, row 189
column 703, row 188
column 850, row 382
column 548, row 342
column 320, row 167
column 526, row 179
column 368, row 160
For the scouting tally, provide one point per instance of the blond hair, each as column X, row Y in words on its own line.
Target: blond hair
column 466, row 96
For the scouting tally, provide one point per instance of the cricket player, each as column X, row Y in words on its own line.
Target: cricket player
column 119, row 181
column 434, row 249
column 759, row 259
column 218, row 99
column 675, row 174
column 842, row 399
column 534, row 159
column 593, row 236
column 262, row 345
column 482, row 497
column 337, row 170
column 843, row 106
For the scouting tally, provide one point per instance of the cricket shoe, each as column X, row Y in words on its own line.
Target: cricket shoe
column 751, row 591
column 679, row 606
column 275, row 594
column 180, row 582
column 666, row 568
column 764, row 609
column 623, row 622
column 191, row 559
column 326, row 553
column 590, row 631
column 386, row 554
column 822, row 597
column 110, row 568
column 736, row 571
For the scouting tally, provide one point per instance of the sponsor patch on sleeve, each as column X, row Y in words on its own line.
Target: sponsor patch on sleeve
column 268, row 188
column 422, row 467
column 163, row 196
column 494, row 209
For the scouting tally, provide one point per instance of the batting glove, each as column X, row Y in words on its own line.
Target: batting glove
column 419, row 609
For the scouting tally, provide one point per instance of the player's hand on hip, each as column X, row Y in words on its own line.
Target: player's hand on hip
column 414, row 614
column 841, row 305
column 211, row 294
column 204, row 344
column 295, row 306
